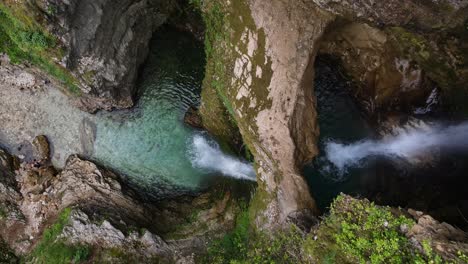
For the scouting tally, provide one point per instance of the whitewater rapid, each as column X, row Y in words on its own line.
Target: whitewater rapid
column 406, row 145
column 206, row 154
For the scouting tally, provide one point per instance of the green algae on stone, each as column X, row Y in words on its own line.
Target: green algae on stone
column 229, row 27
column 216, row 111
column 418, row 48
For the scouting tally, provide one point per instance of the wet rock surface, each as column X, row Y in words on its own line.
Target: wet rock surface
column 400, row 52
column 385, row 78
column 193, row 119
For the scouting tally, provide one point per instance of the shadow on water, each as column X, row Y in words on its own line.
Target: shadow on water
column 339, row 118
column 160, row 156
column 149, row 142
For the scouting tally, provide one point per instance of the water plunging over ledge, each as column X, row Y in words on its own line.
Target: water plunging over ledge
column 354, row 161
column 149, row 144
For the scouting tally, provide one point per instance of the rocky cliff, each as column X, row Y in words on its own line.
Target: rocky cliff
column 53, row 216
column 260, row 76
column 94, row 48
column 106, row 43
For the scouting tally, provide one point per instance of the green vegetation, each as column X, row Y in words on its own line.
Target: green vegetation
column 52, row 250
column 359, row 231
column 244, row 245
column 418, row 48
column 217, row 111
column 24, row 40
column 355, row 231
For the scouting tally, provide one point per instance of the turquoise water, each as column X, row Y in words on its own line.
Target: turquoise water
column 150, row 144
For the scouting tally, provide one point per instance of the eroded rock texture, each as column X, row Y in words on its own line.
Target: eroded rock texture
column 260, row 76
column 106, row 42
column 103, row 214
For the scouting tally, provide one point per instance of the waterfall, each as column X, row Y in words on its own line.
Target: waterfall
column 206, row 154
column 405, row 145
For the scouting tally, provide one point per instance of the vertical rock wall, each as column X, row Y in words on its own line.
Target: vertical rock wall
column 260, row 75
column 261, row 70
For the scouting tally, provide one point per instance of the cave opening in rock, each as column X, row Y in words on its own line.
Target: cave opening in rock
column 436, row 185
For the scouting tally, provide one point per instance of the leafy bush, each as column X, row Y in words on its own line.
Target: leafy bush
column 52, row 250
column 358, row 231
column 355, row 231
column 372, row 233
column 244, row 245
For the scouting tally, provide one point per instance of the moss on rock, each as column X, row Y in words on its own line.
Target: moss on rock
column 53, row 250
column 233, row 65
column 355, row 231
column 25, row 40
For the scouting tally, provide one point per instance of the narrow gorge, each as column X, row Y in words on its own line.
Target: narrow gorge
column 233, row 131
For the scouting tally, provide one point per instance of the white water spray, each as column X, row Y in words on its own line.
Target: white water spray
column 206, row 154
column 405, row 145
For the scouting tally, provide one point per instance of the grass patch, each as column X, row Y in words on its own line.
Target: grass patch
column 24, row 40
column 51, row 250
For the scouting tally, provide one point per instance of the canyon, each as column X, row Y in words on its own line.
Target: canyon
column 108, row 83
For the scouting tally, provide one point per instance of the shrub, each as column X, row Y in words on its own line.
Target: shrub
column 355, row 231
column 245, row 245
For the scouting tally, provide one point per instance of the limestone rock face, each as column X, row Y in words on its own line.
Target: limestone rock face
column 287, row 129
column 42, row 194
column 399, row 51
column 106, row 43
column 444, row 238
column 424, row 14
column 385, row 78
column 83, row 230
column 268, row 89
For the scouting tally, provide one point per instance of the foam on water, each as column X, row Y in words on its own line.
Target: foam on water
column 406, row 145
column 206, row 154
column 149, row 143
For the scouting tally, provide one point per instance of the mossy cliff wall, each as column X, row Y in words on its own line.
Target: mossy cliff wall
column 259, row 79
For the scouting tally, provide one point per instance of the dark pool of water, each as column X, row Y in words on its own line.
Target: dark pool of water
column 339, row 118
column 439, row 190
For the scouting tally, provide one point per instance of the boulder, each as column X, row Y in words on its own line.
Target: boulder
column 41, row 148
